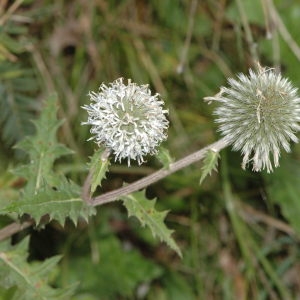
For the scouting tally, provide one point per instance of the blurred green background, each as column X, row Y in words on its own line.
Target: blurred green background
column 238, row 231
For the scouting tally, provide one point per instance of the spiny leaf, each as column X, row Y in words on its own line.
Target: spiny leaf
column 139, row 206
column 210, row 163
column 43, row 149
column 164, row 157
column 59, row 203
column 31, row 279
column 98, row 167
column 46, row 192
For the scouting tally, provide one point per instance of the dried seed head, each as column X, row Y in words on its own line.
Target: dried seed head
column 127, row 119
column 259, row 114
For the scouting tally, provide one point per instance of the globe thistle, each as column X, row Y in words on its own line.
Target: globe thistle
column 127, row 120
column 259, row 114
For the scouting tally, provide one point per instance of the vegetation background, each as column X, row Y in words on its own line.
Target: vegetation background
column 238, row 231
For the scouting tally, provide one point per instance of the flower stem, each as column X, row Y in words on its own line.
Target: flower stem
column 16, row 227
column 13, row 228
column 158, row 175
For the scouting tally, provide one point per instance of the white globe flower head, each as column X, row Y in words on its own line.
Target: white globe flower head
column 127, row 120
column 259, row 114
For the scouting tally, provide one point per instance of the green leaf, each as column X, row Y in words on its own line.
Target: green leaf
column 43, row 150
column 98, row 167
column 210, row 163
column 164, row 157
column 143, row 209
column 30, row 280
column 59, row 203
column 46, row 192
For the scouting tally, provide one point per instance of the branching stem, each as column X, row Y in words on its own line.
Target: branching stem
column 16, row 227
column 156, row 176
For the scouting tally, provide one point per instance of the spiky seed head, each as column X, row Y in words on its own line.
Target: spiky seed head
column 258, row 114
column 127, row 119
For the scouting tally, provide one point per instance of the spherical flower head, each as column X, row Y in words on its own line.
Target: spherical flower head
column 127, row 120
column 259, row 114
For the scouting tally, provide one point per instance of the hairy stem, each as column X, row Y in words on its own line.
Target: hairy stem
column 158, row 175
column 16, row 227
column 13, row 228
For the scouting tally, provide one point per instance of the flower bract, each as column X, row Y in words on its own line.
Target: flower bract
column 127, row 119
column 259, row 114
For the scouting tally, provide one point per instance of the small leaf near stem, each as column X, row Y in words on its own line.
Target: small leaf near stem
column 158, row 175
column 98, row 167
column 210, row 163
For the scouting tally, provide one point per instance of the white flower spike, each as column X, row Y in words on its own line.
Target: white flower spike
column 259, row 114
column 127, row 120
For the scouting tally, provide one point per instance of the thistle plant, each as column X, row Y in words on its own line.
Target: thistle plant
column 127, row 120
column 258, row 114
column 52, row 198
